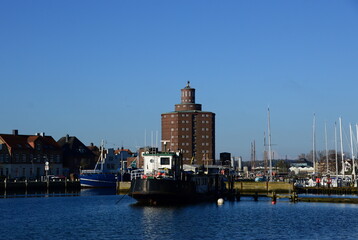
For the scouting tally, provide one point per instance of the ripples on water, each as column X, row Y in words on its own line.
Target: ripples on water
column 89, row 216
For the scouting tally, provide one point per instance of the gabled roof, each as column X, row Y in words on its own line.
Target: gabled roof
column 73, row 144
column 16, row 142
column 117, row 151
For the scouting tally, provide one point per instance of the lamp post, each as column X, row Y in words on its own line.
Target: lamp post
column 47, row 167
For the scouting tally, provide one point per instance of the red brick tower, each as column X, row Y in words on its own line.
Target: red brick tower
column 190, row 129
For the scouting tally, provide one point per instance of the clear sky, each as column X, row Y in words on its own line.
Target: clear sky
column 108, row 69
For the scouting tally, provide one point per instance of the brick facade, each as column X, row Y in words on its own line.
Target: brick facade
column 190, row 129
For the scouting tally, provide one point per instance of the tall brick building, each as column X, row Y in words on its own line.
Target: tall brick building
column 190, row 129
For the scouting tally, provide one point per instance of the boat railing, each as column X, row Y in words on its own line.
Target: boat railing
column 138, row 173
column 90, row 171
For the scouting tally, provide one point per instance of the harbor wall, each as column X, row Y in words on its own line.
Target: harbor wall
column 263, row 187
column 123, row 187
column 41, row 186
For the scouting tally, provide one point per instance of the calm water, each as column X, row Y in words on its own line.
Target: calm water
column 91, row 216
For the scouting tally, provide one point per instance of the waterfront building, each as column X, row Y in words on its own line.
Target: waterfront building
column 190, row 129
column 76, row 155
column 29, row 156
column 137, row 160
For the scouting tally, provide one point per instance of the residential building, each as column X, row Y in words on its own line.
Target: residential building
column 76, row 155
column 190, row 130
column 25, row 156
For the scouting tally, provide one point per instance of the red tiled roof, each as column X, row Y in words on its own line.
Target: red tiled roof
column 27, row 141
column 124, row 150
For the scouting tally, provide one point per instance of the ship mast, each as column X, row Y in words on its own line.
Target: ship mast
column 314, row 144
column 342, row 154
column 336, row 147
column 325, row 137
column 269, row 143
column 352, row 155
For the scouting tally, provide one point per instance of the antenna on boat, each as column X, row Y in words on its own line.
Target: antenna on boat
column 165, row 144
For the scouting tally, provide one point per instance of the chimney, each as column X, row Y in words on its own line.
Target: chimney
column 67, row 137
column 15, row 132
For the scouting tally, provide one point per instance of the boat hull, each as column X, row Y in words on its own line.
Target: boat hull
column 168, row 191
column 98, row 180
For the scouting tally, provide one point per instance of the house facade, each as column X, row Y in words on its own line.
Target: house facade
column 76, row 155
column 29, row 156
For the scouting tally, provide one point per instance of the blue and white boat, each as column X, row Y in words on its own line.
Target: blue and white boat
column 106, row 172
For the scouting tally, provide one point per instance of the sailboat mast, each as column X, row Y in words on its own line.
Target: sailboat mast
column 335, row 146
column 314, row 143
column 341, row 139
column 254, row 154
column 352, row 154
column 269, row 143
column 325, row 137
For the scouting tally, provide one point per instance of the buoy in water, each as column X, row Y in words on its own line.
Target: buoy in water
column 273, row 202
column 220, row 201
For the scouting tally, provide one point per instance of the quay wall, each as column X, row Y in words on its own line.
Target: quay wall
column 263, row 187
column 327, row 190
column 24, row 186
column 123, row 187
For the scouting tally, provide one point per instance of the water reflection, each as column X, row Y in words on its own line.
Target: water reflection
column 57, row 193
column 97, row 191
column 154, row 221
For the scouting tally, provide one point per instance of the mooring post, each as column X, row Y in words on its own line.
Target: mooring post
column 274, row 197
column 294, row 197
column 238, row 195
column 256, row 196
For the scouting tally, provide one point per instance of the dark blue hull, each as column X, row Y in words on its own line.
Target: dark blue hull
column 98, row 180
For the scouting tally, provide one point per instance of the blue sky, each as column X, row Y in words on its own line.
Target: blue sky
column 108, row 69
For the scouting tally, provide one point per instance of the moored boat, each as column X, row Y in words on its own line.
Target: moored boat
column 106, row 172
column 164, row 181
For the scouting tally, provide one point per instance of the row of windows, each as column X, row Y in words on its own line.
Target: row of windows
column 187, row 115
column 17, row 158
column 187, row 121
column 186, row 93
column 187, row 129
column 28, row 172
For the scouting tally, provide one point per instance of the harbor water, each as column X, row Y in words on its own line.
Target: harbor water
column 104, row 215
